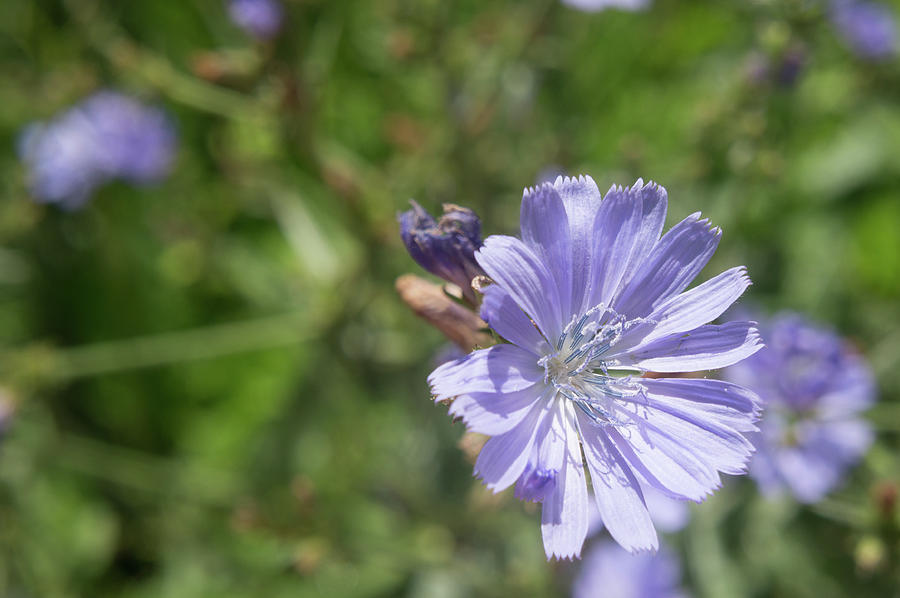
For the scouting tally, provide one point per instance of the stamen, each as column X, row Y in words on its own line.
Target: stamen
column 598, row 415
column 578, row 371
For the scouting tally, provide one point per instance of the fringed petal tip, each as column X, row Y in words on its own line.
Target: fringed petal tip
column 634, row 548
column 581, row 179
column 558, row 556
column 494, row 488
column 755, row 336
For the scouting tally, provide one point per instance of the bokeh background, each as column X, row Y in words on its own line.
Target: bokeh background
column 209, row 386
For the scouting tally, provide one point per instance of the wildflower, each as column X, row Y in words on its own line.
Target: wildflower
column 446, row 247
column 7, row 410
column 260, row 18
column 598, row 5
column 589, row 299
column 869, row 28
column 783, row 70
column 611, row 572
column 813, row 387
column 105, row 137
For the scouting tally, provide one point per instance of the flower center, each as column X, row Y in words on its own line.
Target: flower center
column 578, row 371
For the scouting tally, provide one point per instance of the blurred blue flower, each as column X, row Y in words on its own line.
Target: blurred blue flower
column 782, row 70
column 590, row 297
column 107, row 136
column 870, row 29
column 813, row 387
column 611, row 572
column 598, row 5
column 445, row 247
column 7, row 411
column 259, row 18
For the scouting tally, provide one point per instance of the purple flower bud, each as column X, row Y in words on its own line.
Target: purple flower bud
column 869, row 28
column 107, row 136
column 260, row 18
column 791, row 66
column 446, row 247
column 782, row 70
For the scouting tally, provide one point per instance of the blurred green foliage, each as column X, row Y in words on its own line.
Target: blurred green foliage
column 216, row 390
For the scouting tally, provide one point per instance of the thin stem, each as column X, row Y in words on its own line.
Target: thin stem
column 133, row 61
column 188, row 345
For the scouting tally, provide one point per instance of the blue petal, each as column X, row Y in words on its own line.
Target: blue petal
column 700, row 305
column 617, row 491
column 617, row 226
column 654, row 203
column 545, row 228
column 503, row 458
column 716, row 401
column 711, row 429
column 497, row 369
column 704, row 348
column 665, row 462
column 515, row 267
column 674, row 262
column 564, row 519
column 493, row 414
column 582, row 200
column 509, row 321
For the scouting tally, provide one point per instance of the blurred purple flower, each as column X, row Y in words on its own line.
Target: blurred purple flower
column 869, row 28
column 782, row 70
column 611, row 572
column 813, row 388
column 445, row 247
column 598, row 5
column 7, row 411
column 591, row 296
column 259, row 18
column 107, row 136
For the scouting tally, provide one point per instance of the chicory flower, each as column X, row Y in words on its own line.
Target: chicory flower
column 590, row 298
column 611, row 572
column 813, row 387
column 107, row 136
column 260, row 18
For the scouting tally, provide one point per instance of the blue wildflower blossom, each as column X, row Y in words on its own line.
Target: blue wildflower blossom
column 444, row 247
column 611, row 572
column 105, row 137
column 260, row 18
column 813, row 388
column 598, row 5
column 870, row 29
column 589, row 299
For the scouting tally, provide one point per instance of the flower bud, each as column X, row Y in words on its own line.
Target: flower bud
column 445, row 247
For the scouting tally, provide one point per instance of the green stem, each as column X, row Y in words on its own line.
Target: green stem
column 189, row 345
column 133, row 61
